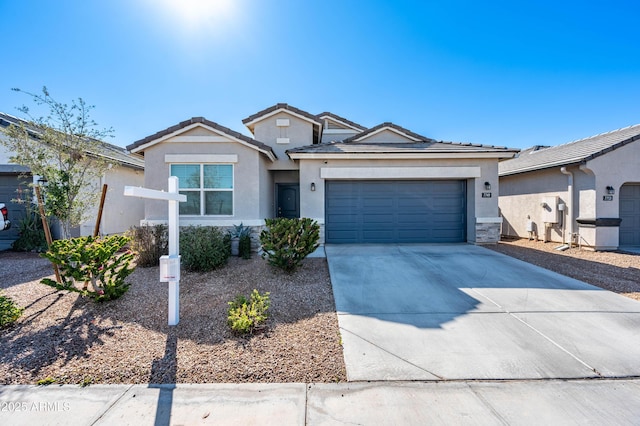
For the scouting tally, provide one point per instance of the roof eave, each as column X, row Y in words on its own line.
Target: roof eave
column 140, row 149
column 396, row 155
column 538, row 168
column 251, row 121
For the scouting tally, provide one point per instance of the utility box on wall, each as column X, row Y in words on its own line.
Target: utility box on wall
column 550, row 211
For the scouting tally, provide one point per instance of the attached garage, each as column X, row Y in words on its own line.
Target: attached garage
column 390, row 185
column 387, row 211
column 630, row 215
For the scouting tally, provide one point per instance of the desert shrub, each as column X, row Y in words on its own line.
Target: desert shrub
column 30, row 234
column 286, row 242
column 240, row 231
column 96, row 260
column 149, row 242
column 204, row 248
column 30, row 231
column 9, row 311
column 245, row 315
column 244, row 247
column 237, row 233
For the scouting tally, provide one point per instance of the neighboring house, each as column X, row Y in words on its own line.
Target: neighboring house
column 119, row 214
column 595, row 181
column 11, row 178
column 380, row 185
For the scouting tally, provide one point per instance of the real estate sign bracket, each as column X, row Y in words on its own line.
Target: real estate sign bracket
column 173, row 197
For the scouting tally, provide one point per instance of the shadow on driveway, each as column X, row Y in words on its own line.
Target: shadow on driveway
column 438, row 312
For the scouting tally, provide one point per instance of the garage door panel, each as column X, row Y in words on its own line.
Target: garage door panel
column 410, row 218
column 396, row 211
column 376, row 218
column 416, row 201
column 447, row 202
column 378, row 235
column 343, row 203
column 346, row 219
column 382, row 203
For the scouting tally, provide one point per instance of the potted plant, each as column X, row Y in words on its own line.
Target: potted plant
column 238, row 233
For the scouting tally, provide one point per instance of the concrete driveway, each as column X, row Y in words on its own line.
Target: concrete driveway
column 463, row 312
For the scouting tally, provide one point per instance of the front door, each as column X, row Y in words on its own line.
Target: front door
column 288, row 200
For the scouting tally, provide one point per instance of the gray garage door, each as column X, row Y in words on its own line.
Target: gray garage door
column 395, row 212
column 630, row 215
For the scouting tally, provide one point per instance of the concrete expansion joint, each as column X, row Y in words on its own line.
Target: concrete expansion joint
column 392, row 354
column 109, row 406
column 488, row 405
column 488, row 381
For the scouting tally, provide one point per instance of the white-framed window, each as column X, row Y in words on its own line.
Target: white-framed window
column 208, row 187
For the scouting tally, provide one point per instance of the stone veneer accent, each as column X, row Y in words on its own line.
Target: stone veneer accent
column 487, row 233
column 255, row 235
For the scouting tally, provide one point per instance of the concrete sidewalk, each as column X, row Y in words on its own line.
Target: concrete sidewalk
column 553, row 402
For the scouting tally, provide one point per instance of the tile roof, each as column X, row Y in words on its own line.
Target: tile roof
column 425, row 146
column 259, row 145
column 279, row 106
column 390, row 126
column 580, row 151
column 106, row 150
column 338, row 118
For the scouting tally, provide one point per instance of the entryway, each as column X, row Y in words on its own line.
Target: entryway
column 288, row 200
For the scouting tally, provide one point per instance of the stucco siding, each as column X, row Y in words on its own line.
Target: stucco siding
column 614, row 169
column 246, row 179
column 299, row 133
column 336, row 137
column 4, row 153
column 120, row 213
column 520, row 199
column 386, row 136
column 521, row 194
column 266, row 191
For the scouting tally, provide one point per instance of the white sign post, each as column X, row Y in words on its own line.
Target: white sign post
column 173, row 277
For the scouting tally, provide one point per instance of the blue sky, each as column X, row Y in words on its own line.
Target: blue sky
column 497, row 72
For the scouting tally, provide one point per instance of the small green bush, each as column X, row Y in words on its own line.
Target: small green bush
column 9, row 311
column 204, row 248
column 244, row 247
column 244, row 316
column 96, row 260
column 286, row 242
column 46, row 381
column 149, row 242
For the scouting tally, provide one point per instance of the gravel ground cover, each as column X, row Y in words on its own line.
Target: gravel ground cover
column 614, row 271
column 72, row 340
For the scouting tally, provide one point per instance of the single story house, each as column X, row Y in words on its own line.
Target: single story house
column 120, row 212
column 586, row 192
column 383, row 184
